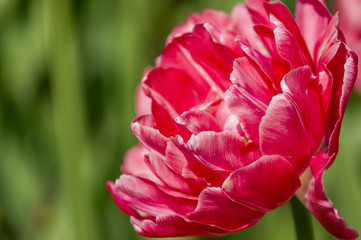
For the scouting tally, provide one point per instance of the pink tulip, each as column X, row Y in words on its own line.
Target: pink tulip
column 350, row 23
column 236, row 111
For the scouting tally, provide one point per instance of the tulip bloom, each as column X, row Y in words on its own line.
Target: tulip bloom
column 350, row 23
column 236, row 111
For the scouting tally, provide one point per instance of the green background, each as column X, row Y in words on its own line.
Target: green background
column 68, row 71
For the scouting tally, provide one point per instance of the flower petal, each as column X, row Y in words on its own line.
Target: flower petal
column 343, row 82
column 148, row 200
column 173, row 226
column 135, row 165
column 147, row 135
column 312, row 18
column 282, row 129
column 265, row 184
column 216, row 209
column 222, row 151
column 318, row 203
column 170, row 178
column 142, row 102
column 305, row 90
column 249, row 97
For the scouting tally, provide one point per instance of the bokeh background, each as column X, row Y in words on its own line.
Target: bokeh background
column 68, row 72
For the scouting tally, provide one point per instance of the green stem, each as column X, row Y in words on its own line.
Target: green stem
column 302, row 219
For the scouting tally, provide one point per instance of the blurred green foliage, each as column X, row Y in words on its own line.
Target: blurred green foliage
column 68, row 72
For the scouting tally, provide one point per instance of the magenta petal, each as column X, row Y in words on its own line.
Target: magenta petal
column 264, row 64
column 135, row 165
column 312, row 18
column 249, row 97
column 222, row 151
column 288, row 47
column 215, row 208
column 265, row 184
column 217, row 18
column 198, row 121
column 344, row 80
column 147, row 199
column 142, row 103
column 182, row 88
column 147, row 135
column 305, row 90
column 319, row 204
column 208, row 62
column 122, row 204
column 287, row 26
column 170, row 178
column 174, row 226
column 282, row 129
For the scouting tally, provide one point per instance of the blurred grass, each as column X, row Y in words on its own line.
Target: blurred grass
column 68, row 71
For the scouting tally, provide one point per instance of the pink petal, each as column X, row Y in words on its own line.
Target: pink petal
column 328, row 39
column 174, row 157
column 215, row 208
column 173, row 87
column 244, row 27
column 304, row 89
column 312, row 18
column 326, row 81
column 122, row 204
column 282, row 129
column 318, row 203
column 196, row 170
column 249, row 97
column 142, row 102
column 164, row 117
column 226, row 120
column 174, row 226
column 148, row 200
column 265, row 184
column 268, row 39
column 147, row 135
column 208, row 63
column 170, row 178
column 217, row 18
column 284, row 20
column 343, row 82
column 258, row 7
column 222, row 151
column 135, row 165
column 288, row 47
column 264, row 64
column 294, row 118
column 197, row 121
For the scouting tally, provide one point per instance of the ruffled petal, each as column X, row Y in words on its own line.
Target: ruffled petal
column 147, row 135
column 312, row 18
column 135, row 165
column 171, row 179
column 265, row 184
column 344, row 80
column 288, row 29
column 195, row 122
column 174, row 226
column 305, row 90
column 282, row 129
column 249, row 97
column 216, row 209
column 319, row 204
column 207, row 62
column 222, row 151
column 142, row 102
column 148, row 200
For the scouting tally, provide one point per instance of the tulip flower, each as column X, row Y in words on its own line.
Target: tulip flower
column 237, row 110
